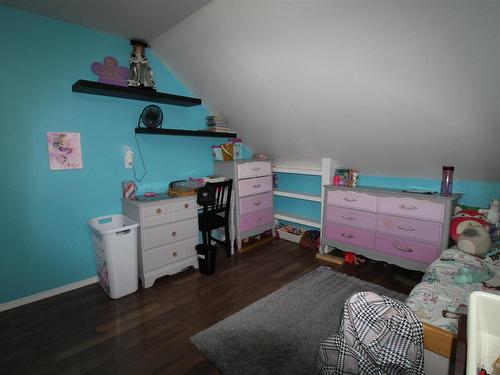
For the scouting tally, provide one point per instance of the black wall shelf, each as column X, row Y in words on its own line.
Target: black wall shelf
column 97, row 88
column 192, row 133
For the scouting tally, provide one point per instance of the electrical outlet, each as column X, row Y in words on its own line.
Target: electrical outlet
column 129, row 157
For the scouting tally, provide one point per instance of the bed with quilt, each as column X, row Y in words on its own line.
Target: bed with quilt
column 446, row 285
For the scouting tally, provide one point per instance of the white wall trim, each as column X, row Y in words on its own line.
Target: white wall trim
column 48, row 293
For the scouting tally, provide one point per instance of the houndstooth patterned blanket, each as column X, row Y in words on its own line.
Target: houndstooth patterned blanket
column 377, row 335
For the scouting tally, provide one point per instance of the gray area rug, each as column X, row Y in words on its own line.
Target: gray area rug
column 281, row 333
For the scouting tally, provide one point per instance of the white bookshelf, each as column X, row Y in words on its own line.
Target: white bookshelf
column 306, row 171
column 297, row 219
column 305, row 197
column 326, row 172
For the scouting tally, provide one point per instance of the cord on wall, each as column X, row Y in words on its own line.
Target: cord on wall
column 142, row 161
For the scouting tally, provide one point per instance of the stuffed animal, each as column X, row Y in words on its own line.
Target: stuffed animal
column 461, row 220
column 492, row 213
column 474, row 239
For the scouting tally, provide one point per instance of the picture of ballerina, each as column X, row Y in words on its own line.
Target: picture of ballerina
column 65, row 151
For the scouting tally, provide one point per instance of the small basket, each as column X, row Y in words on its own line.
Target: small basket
column 227, row 151
column 285, row 235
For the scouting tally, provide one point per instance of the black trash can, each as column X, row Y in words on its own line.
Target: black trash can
column 207, row 254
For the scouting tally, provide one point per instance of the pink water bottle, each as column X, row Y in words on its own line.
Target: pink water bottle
column 447, row 180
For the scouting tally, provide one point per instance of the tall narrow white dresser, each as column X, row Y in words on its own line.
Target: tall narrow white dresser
column 252, row 196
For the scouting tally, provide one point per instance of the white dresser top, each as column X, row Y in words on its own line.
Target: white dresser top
column 379, row 191
column 158, row 198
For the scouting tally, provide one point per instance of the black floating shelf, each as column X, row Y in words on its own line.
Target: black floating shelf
column 97, row 88
column 192, row 133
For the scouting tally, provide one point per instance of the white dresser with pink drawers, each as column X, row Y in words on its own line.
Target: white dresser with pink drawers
column 403, row 228
column 252, row 196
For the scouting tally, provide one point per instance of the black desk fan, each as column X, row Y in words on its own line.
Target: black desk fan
column 151, row 117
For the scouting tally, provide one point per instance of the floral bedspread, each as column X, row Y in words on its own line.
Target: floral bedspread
column 439, row 289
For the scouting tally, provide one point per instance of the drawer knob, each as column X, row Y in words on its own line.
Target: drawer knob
column 174, row 254
column 174, row 234
column 410, row 207
column 158, row 211
column 349, row 218
column 186, row 205
column 257, row 203
column 403, row 249
column 258, row 220
column 347, row 235
column 256, row 186
column 405, row 228
column 256, row 169
column 349, row 199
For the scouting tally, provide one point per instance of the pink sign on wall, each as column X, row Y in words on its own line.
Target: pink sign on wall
column 65, row 151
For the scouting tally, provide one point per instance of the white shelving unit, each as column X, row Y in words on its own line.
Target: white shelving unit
column 306, row 171
column 326, row 172
column 305, row 197
column 297, row 219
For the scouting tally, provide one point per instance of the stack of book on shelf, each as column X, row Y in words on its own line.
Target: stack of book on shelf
column 217, row 124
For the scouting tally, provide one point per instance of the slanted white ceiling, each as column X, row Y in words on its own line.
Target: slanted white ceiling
column 390, row 87
column 144, row 19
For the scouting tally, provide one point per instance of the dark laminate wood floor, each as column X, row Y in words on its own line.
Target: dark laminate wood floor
column 84, row 332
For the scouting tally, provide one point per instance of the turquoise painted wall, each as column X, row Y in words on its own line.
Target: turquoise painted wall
column 476, row 193
column 298, row 184
column 43, row 235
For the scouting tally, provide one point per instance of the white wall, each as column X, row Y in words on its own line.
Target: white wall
column 390, row 87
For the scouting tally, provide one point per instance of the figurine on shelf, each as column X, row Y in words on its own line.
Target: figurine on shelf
column 110, row 72
column 140, row 73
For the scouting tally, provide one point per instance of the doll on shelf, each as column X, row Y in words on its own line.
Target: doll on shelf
column 140, row 73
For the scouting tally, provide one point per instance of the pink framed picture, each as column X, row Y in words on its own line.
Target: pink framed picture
column 65, row 151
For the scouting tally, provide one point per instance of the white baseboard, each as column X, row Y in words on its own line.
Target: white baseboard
column 48, row 293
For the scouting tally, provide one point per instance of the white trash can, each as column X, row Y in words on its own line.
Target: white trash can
column 115, row 244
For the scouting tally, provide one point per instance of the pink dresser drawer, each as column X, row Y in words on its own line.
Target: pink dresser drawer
column 255, row 219
column 352, row 199
column 406, row 248
column 420, row 230
column 360, row 219
column 254, row 169
column 411, row 207
column 255, row 186
column 256, row 203
column 349, row 235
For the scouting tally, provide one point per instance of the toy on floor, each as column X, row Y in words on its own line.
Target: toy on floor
column 461, row 220
column 352, row 258
column 310, row 239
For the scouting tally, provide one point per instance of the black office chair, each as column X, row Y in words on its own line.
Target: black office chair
column 215, row 198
